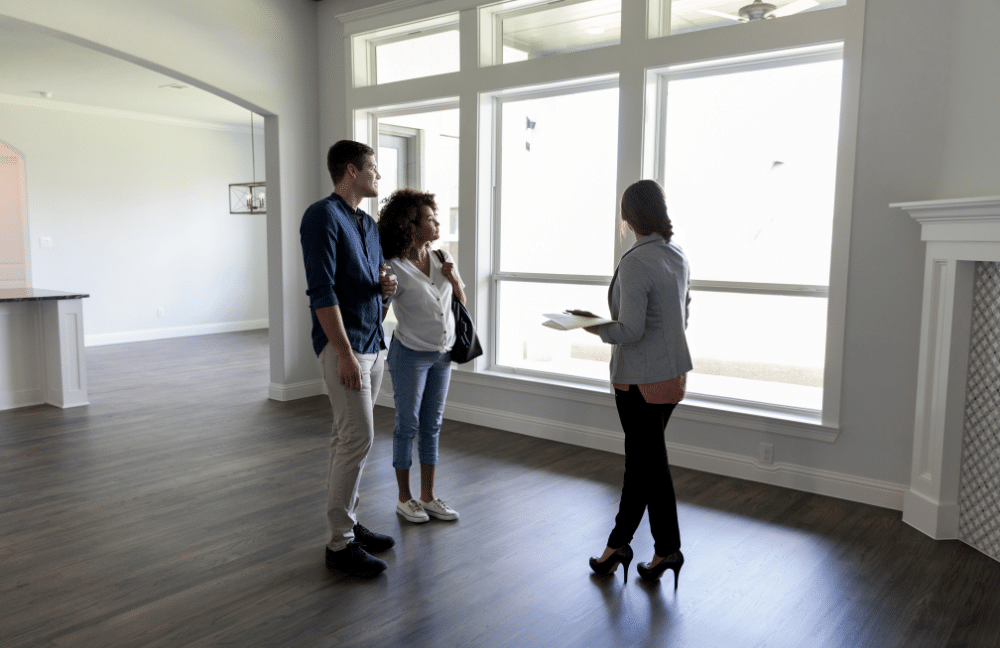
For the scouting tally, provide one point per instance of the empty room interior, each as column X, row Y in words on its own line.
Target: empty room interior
column 831, row 172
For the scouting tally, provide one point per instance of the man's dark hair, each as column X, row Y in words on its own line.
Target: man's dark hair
column 343, row 153
column 399, row 219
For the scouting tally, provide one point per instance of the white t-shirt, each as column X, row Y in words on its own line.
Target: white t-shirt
column 422, row 306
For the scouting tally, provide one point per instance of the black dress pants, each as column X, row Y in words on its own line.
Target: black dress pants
column 647, row 475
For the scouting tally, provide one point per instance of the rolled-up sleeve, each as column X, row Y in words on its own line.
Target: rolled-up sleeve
column 633, row 291
column 319, row 255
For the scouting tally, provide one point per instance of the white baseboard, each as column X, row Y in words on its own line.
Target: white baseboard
column 295, row 391
column 21, row 398
column 100, row 339
column 810, row 480
column 939, row 521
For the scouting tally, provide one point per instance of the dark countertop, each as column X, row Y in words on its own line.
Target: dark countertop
column 35, row 294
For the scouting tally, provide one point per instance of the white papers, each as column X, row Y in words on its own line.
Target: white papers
column 568, row 321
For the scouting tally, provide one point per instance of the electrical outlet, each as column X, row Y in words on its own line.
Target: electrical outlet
column 766, row 454
column 45, row 241
column 160, row 312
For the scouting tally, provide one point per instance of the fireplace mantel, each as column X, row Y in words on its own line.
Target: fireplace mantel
column 958, row 233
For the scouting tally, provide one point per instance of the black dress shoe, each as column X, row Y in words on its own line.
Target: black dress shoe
column 371, row 541
column 673, row 562
column 354, row 560
column 621, row 555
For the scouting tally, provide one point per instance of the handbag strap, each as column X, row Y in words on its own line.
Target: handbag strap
column 440, row 255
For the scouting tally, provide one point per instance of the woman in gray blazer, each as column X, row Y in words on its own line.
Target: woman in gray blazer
column 649, row 300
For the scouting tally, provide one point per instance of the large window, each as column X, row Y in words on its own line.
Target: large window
column 555, row 225
column 540, row 112
column 749, row 168
column 419, row 150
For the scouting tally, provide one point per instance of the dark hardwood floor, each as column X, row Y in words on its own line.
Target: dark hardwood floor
column 183, row 508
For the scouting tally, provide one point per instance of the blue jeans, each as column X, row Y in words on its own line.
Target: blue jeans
column 420, row 384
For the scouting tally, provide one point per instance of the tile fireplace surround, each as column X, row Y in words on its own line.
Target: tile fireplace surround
column 958, row 401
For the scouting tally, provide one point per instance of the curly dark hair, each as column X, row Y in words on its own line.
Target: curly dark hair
column 399, row 219
column 644, row 208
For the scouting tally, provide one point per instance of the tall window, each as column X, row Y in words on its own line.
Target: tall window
column 419, row 150
column 555, row 225
column 750, row 155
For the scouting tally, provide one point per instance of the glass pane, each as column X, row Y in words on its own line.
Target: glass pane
column 417, row 57
column 762, row 348
column 388, row 168
column 559, row 157
column 523, row 343
column 436, row 135
column 749, row 172
column 557, row 28
column 694, row 15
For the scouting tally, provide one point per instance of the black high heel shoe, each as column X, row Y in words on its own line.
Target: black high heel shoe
column 622, row 555
column 652, row 574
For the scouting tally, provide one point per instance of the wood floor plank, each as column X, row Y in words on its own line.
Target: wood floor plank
column 183, row 508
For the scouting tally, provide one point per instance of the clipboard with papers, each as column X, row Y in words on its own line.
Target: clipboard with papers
column 573, row 319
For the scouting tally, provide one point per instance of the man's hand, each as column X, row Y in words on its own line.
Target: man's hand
column 388, row 282
column 350, row 371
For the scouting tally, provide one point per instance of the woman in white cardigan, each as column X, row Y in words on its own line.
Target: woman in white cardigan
column 418, row 356
column 648, row 298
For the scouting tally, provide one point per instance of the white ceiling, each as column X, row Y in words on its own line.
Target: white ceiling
column 33, row 61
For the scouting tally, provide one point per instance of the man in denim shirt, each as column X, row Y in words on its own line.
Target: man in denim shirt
column 348, row 295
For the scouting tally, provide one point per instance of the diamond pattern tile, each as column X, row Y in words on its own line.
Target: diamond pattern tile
column 979, row 496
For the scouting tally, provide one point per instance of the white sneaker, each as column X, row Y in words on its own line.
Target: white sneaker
column 412, row 511
column 439, row 509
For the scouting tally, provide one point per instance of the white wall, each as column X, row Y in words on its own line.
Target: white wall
column 138, row 215
column 262, row 55
column 927, row 129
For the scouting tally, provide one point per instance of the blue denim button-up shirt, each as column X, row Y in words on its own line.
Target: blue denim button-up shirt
column 342, row 265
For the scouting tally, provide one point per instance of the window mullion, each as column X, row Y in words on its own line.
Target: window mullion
column 801, row 290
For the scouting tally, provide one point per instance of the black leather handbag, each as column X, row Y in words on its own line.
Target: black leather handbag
column 467, row 345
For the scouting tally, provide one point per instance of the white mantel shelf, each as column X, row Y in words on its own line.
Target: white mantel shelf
column 967, row 219
column 958, row 233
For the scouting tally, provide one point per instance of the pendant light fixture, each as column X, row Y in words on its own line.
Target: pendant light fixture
column 248, row 197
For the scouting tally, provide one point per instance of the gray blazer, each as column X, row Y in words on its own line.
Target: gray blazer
column 649, row 298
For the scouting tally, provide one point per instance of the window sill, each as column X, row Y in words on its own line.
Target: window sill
column 738, row 415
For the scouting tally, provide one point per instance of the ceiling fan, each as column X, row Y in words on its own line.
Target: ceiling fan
column 758, row 10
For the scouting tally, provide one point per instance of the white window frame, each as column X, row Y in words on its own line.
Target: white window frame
column 496, row 275
column 365, row 127
column 491, row 19
column 635, row 61
column 363, row 55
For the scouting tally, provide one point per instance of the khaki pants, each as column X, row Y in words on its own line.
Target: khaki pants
column 351, row 439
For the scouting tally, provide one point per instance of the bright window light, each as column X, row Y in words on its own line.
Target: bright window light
column 749, row 171
column 558, row 163
column 416, row 57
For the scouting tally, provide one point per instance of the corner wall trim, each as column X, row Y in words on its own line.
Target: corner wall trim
column 294, row 391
